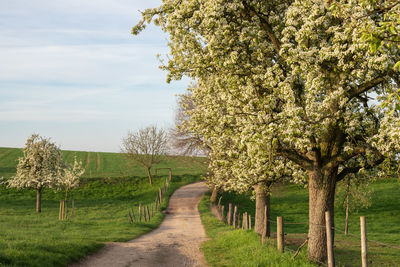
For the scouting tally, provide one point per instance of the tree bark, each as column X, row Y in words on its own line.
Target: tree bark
column 321, row 198
column 149, row 175
column 39, row 200
column 262, row 200
column 214, row 195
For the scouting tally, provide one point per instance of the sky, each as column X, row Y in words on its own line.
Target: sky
column 71, row 71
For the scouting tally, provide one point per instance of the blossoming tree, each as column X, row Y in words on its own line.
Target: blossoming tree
column 71, row 176
column 296, row 78
column 40, row 167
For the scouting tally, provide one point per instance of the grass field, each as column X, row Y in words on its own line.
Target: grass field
column 103, row 165
column 383, row 222
column 109, row 189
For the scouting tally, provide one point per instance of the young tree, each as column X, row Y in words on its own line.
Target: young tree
column 145, row 147
column 40, row 167
column 71, row 176
column 353, row 194
column 298, row 76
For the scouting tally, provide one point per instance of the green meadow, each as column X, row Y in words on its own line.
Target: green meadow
column 291, row 202
column 110, row 188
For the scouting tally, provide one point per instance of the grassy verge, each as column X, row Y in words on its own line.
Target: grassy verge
column 230, row 247
column 383, row 222
column 101, row 211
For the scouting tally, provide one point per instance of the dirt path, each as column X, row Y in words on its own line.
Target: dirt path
column 175, row 243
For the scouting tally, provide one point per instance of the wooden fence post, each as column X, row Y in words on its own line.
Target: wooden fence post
column 133, row 214
column 73, row 208
column 63, row 210
column 140, row 213
column 250, row 221
column 229, row 215
column 66, row 209
column 235, row 217
column 329, row 239
column 223, row 213
column 59, row 212
column 130, row 217
column 363, row 226
column 280, row 233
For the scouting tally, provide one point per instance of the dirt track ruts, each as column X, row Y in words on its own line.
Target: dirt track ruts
column 175, row 243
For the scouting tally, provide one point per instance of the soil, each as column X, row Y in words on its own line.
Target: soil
column 175, row 243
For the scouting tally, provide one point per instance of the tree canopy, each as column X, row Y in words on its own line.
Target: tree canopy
column 288, row 82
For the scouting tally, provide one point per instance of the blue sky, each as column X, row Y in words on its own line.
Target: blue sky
column 71, row 70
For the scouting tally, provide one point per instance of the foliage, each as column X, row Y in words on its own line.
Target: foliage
column 146, row 147
column 382, row 33
column 41, row 165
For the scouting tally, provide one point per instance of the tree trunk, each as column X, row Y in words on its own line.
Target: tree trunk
column 214, row 195
column 262, row 200
column 321, row 198
column 39, row 200
column 268, row 204
column 149, row 175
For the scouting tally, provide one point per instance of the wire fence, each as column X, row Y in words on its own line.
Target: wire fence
column 231, row 216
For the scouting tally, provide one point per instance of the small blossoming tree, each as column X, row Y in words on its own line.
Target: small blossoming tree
column 40, row 167
column 71, row 176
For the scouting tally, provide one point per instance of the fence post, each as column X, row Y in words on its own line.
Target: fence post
column 66, row 209
column 73, row 207
column 363, row 241
column 229, row 215
column 59, row 213
column 63, row 210
column 159, row 190
column 140, row 213
column 329, row 239
column 280, row 233
column 250, row 221
column 235, row 217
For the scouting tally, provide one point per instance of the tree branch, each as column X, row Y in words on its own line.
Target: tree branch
column 295, row 157
column 265, row 25
column 365, row 87
column 349, row 170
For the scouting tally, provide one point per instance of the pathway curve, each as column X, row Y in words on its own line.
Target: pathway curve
column 175, row 243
